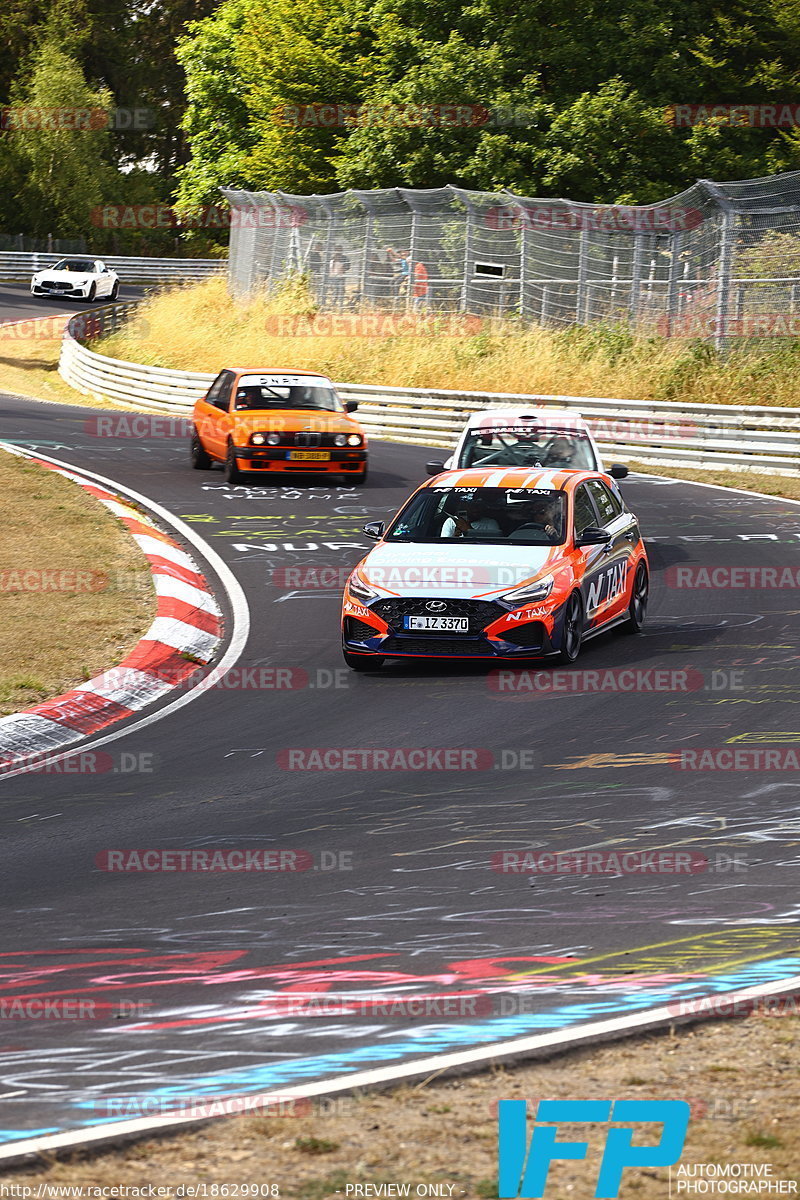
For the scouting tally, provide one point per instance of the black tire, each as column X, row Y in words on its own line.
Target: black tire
column 640, row 593
column 200, row 459
column 114, row 291
column 572, row 631
column 363, row 662
column 232, row 473
column 92, row 296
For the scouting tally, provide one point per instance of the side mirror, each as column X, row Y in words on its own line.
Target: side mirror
column 350, row 405
column 374, row 530
column 593, row 536
column 618, row 471
column 434, row 468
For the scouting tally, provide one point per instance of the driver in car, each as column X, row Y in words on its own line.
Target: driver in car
column 474, row 519
column 542, row 511
column 560, row 453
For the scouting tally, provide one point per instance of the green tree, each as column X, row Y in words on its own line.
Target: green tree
column 67, row 171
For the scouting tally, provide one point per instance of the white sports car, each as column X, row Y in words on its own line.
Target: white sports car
column 80, row 278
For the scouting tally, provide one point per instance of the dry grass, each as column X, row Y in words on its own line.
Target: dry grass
column 55, row 632
column 502, row 356
column 29, row 362
column 741, row 1078
column 766, row 485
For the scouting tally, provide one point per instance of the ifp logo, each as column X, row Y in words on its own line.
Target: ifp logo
column 523, row 1169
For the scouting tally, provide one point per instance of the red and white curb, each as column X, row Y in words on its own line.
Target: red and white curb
column 184, row 636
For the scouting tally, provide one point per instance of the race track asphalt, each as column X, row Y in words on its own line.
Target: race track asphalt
column 226, row 982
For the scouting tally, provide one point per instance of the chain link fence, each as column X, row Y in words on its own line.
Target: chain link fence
column 720, row 261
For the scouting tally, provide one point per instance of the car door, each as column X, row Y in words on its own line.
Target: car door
column 103, row 281
column 621, row 525
column 592, row 565
column 215, row 422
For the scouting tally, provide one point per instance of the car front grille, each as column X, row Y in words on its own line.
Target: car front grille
column 441, row 647
column 530, row 635
column 480, row 612
column 358, row 631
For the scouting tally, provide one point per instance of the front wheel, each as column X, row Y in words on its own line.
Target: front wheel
column 232, row 473
column 572, row 632
column 363, row 662
column 637, row 609
column 92, row 293
column 114, row 291
column 200, row 460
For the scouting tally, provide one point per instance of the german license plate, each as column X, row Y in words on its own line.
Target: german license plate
column 310, row 455
column 439, row 624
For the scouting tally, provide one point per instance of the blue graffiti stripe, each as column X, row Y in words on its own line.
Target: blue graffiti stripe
column 452, row 1037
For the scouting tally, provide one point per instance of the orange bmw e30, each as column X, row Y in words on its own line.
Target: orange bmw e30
column 507, row 564
column 277, row 423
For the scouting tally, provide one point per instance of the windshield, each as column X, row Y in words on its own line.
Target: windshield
column 84, row 265
column 284, row 396
column 532, row 516
column 528, row 445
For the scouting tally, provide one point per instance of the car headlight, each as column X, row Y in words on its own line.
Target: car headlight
column 258, row 439
column 354, row 439
column 273, row 439
column 361, row 590
column 340, row 439
column 530, row 592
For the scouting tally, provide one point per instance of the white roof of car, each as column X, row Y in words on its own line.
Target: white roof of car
column 562, row 418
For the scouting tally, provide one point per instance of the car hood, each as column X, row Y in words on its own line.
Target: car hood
column 294, row 420
column 66, row 276
column 454, row 569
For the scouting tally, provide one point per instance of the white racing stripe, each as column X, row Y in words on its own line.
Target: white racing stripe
column 127, row 686
column 186, row 638
column 28, row 733
column 176, row 589
column 153, row 547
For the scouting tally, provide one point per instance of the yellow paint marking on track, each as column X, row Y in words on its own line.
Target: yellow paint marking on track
column 700, row 944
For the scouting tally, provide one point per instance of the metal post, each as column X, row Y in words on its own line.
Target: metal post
column 463, row 303
column 636, row 276
column 673, row 291
column 523, row 246
column 724, row 278
column 581, row 300
column 412, row 257
column 365, row 260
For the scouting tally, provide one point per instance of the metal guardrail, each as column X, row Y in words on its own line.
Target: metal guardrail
column 680, row 434
column 16, row 266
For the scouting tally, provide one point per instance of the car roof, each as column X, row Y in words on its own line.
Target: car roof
column 489, row 417
column 514, row 477
column 272, row 371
